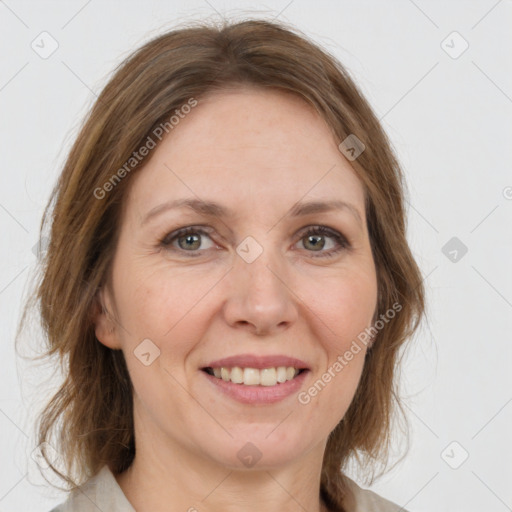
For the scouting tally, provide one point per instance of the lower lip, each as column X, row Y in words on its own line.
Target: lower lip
column 258, row 394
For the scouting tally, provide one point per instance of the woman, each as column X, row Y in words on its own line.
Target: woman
column 228, row 282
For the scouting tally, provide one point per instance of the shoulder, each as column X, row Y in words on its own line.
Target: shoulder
column 100, row 492
column 364, row 500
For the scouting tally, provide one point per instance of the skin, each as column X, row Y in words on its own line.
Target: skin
column 258, row 153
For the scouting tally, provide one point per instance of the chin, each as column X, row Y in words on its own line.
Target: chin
column 257, row 451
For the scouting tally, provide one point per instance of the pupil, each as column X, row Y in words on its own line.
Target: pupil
column 314, row 240
column 190, row 239
column 318, row 243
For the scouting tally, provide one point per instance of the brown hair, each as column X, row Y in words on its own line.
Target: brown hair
column 94, row 403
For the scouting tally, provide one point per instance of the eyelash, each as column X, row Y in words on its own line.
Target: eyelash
column 340, row 240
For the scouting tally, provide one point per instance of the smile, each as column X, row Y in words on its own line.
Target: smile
column 258, row 386
column 254, row 376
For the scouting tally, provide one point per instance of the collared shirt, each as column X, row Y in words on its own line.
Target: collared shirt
column 102, row 493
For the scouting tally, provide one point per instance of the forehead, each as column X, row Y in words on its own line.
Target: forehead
column 248, row 145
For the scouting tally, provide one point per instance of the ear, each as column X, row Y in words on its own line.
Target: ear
column 105, row 326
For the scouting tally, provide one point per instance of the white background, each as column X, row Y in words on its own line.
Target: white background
column 449, row 120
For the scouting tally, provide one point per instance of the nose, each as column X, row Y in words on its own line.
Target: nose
column 259, row 299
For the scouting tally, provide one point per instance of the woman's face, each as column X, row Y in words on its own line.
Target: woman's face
column 259, row 278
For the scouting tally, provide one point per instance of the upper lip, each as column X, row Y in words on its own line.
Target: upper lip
column 259, row 362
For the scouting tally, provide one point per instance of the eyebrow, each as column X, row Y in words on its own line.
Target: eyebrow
column 213, row 209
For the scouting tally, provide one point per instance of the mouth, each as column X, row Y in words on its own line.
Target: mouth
column 256, row 379
column 256, row 386
column 271, row 376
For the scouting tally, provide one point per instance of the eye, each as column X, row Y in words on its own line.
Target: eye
column 315, row 237
column 188, row 239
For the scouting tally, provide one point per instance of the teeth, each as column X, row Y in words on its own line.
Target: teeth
column 255, row 377
column 281, row 374
column 251, row 376
column 268, row 376
column 290, row 373
column 237, row 375
column 225, row 374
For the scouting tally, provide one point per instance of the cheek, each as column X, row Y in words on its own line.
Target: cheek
column 344, row 309
column 346, row 304
column 158, row 308
column 152, row 301
column 171, row 311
